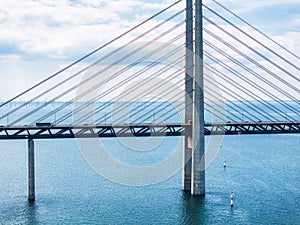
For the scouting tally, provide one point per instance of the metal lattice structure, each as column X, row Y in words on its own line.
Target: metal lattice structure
column 145, row 130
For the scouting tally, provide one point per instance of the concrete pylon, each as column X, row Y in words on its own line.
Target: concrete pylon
column 193, row 175
column 198, row 146
column 188, row 113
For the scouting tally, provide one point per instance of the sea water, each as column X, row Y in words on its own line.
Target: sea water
column 261, row 170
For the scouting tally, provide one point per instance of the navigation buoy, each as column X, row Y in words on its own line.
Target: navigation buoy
column 231, row 199
column 224, row 161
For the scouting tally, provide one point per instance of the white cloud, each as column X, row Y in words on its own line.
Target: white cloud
column 60, row 29
column 243, row 6
column 51, row 33
column 51, row 30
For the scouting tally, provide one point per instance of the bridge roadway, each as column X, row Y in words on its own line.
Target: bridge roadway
column 143, row 130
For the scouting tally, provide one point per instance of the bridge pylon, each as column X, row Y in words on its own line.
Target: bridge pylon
column 193, row 175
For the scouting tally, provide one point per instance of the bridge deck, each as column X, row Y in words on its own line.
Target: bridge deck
column 143, row 130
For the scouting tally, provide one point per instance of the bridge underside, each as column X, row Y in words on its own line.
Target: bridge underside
column 144, row 130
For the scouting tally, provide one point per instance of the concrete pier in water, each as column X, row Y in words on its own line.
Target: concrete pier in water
column 31, row 176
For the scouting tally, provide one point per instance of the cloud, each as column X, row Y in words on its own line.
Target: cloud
column 53, row 33
column 51, row 30
column 244, row 6
column 64, row 29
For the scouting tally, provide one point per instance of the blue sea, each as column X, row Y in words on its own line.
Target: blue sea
column 262, row 170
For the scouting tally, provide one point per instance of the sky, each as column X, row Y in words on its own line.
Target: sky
column 38, row 37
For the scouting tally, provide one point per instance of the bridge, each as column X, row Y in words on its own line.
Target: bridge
column 187, row 75
column 144, row 130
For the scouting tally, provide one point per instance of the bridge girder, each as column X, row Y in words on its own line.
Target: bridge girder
column 143, row 130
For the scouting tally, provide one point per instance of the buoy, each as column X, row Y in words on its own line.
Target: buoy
column 231, row 199
column 224, row 162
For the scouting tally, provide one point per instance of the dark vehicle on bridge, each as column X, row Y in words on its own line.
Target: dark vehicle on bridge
column 44, row 124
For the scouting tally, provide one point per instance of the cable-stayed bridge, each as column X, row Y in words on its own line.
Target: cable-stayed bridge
column 189, row 70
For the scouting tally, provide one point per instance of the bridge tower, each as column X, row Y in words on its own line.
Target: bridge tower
column 193, row 175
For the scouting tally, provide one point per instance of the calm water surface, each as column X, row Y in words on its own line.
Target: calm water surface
column 262, row 171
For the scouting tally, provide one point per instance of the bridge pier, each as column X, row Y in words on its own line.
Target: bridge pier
column 31, row 177
column 188, row 113
column 187, row 166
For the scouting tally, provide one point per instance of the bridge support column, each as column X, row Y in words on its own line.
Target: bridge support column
column 187, row 166
column 188, row 114
column 31, row 177
column 198, row 147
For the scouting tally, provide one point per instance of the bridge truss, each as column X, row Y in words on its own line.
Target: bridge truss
column 144, row 130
